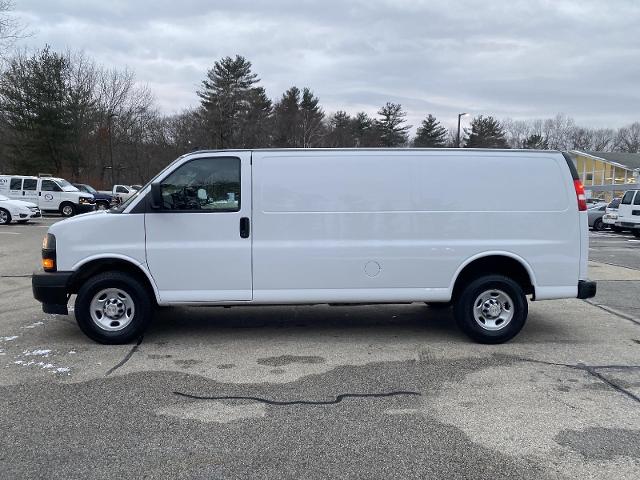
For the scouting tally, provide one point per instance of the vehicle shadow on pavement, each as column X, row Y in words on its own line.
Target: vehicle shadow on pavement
column 414, row 318
column 415, row 321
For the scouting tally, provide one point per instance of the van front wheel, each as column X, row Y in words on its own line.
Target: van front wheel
column 113, row 308
column 491, row 309
column 67, row 209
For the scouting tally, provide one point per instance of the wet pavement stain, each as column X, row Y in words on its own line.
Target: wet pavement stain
column 283, row 360
column 597, row 442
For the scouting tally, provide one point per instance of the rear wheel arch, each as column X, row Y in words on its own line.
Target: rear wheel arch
column 507, row 265
column 101, row 265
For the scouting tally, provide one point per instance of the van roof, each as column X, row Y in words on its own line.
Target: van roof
column 373, row 149
column 31, row 176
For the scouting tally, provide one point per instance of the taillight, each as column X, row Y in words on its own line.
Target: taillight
column 582, row 200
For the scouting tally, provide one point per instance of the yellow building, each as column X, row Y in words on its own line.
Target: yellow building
column 607, row 175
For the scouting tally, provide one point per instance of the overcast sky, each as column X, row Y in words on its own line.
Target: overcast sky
column 511, row 58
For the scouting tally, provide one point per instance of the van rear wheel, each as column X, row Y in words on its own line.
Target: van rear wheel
column 491, row 309
column 113, row 308
column 68, row 209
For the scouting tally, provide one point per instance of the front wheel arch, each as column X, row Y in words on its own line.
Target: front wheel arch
column 101, row 265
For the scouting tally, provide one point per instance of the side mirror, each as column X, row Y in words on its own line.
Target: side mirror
column 156, row 196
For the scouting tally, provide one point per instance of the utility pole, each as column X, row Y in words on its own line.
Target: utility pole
column 110, row 118
column 460, row 115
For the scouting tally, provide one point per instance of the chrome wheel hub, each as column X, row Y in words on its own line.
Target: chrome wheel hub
column 493, row 310
column 112, row 309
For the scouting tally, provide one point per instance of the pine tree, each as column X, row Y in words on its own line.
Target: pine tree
column 486, row 132
column 311, row 116
column 430, row 134
column 340, row 130
column 286, row 132
column 535, row 142
column 257, row 129
column 298, row 119
column 392, row 131
column 36, row 107
column 365, row 131
column 225, row 98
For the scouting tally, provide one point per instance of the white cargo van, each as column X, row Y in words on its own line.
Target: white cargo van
column 480, row 229
column 51, row 194
column 629, row 213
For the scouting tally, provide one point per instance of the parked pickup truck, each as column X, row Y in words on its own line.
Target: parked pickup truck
column 104, row 201
column 120, row 193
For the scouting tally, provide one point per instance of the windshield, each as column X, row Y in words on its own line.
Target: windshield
column 66, row 186
column 90, row 189
column 615, row 203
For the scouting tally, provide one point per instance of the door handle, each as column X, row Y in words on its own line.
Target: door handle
column 245, row 227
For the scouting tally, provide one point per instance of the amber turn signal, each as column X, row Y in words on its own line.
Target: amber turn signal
column 48, row 264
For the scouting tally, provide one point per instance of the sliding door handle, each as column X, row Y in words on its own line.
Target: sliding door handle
column 245, row 227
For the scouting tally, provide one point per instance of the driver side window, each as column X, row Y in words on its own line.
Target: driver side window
column 208, row 184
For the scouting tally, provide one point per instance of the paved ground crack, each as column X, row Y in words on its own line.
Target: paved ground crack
column 126, row 358
column 613, row 311
column 338, row 399
column 593, row 371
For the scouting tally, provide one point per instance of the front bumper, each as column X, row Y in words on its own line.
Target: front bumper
column 586, row 289
column 51, row 289
column 85, row 207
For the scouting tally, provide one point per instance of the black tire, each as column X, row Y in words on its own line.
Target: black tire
column 143, row 308
column 439, row 305
column 616, row 229
column 5, row 218
column 598, row 225
column 67, row 209
column 464, row 309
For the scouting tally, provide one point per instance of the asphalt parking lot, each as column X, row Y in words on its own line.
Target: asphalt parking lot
column 323, row 392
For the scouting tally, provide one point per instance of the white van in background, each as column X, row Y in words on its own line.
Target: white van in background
column 345, row 226
column 629, row 212
column 51, row 194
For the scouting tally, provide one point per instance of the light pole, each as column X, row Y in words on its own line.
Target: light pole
column 110, row 118
column 460, row 115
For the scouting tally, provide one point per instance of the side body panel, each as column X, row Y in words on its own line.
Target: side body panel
column 358, row 226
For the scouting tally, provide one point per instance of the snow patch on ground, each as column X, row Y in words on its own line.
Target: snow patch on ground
column 8, row 339
column 38, row 353
column 41, row 364
column 34, row 324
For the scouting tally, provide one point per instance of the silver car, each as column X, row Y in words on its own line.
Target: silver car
column 595, row 214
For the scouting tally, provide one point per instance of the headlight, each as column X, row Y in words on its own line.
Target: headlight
column 84, row 201
column 49, row 242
